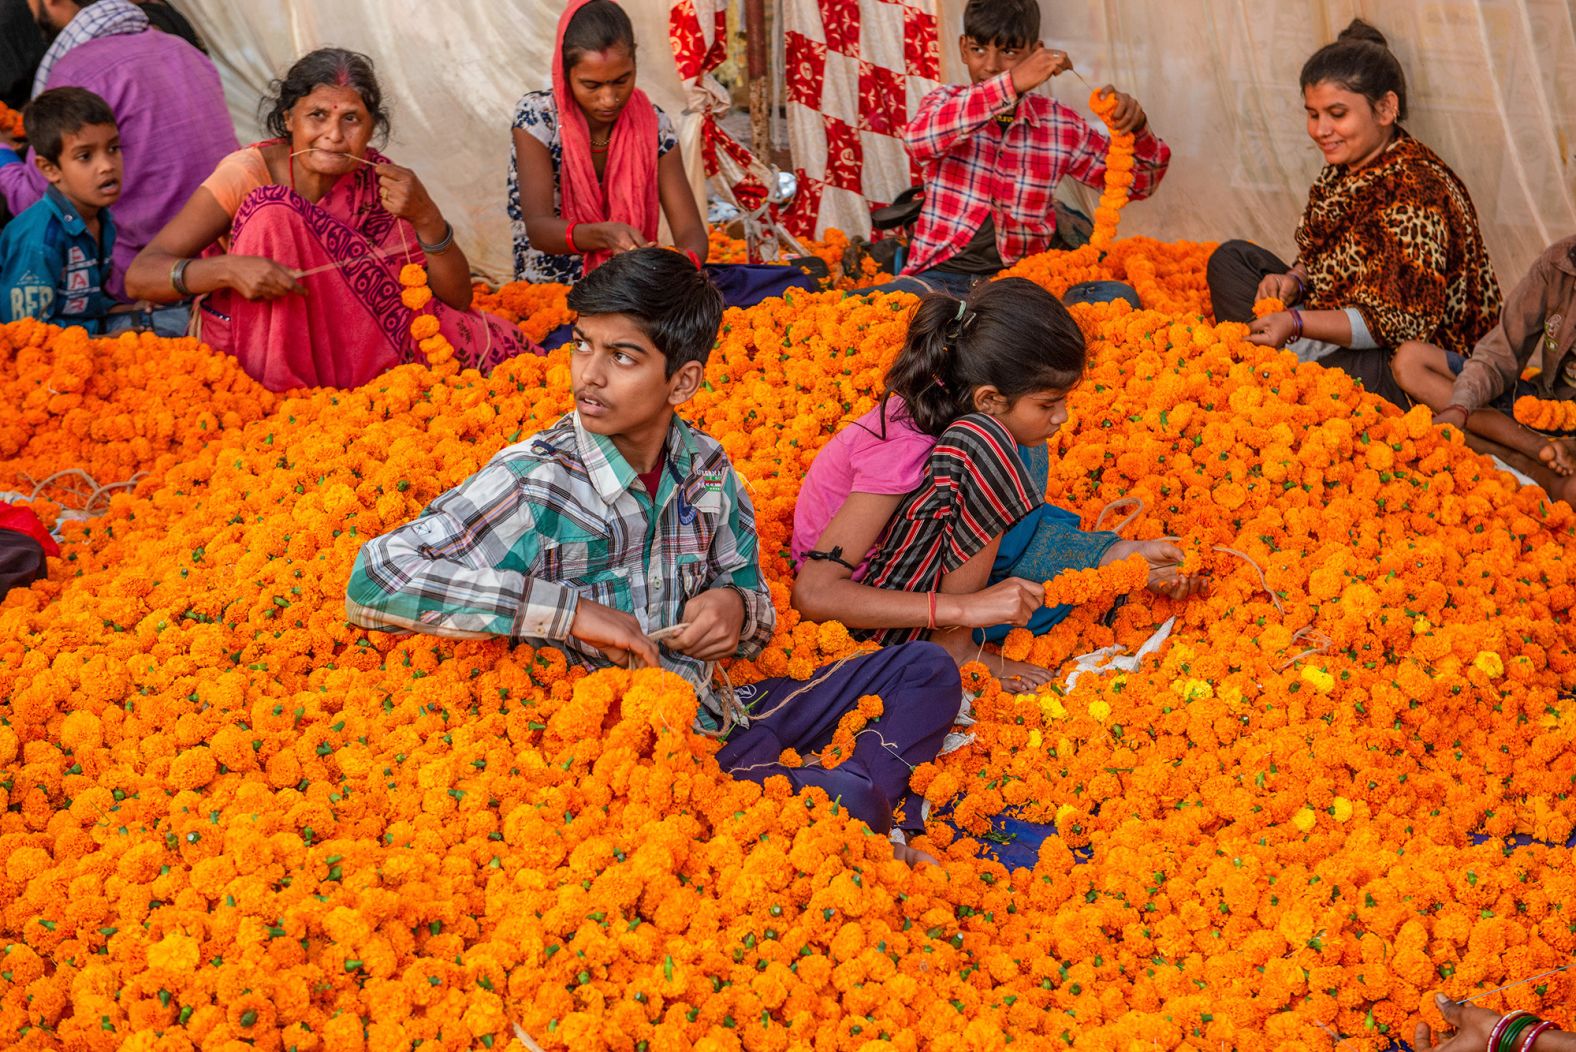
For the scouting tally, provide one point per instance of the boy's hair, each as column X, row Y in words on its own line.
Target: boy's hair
column 670, row 298
column 1005, row 23
column 1009, row 333
column 60, row 112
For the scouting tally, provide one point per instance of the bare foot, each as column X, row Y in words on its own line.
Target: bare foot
column 1021, row 676
column 1559, row 454
column 913, row 856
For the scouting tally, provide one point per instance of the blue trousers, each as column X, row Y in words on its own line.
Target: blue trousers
column 920, row 690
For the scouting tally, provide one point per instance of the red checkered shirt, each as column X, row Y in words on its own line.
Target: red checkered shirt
column 974, row 169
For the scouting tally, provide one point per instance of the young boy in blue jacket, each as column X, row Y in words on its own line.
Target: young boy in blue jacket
column 55, row 256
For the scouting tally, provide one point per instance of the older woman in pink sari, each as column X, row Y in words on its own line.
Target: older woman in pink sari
column 295, row 245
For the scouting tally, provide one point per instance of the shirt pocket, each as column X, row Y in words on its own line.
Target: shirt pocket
column 590, row 568
column 1030, row 192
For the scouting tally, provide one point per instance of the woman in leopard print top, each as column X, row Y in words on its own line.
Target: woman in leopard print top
column 1390, row 249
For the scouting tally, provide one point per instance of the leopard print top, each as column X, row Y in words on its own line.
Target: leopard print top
column 1399, row 241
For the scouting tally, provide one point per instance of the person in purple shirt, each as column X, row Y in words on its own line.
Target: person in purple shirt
column 165, row 94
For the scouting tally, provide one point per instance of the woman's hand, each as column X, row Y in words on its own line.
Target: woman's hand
column 260, row 278
column 1472, row 1024
column 1128, row 116
column 1272, row 330
column 1283, row 287
column 610, row 237
column 1009, row 602
column 404, row 196
column 1165, row 567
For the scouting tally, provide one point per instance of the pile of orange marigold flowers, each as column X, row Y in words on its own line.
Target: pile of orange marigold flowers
column 231, row 820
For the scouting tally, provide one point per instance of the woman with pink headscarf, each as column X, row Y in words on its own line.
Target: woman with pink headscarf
column 594, row 158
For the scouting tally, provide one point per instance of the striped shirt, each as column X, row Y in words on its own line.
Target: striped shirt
column 560, row 517
column 975, row 487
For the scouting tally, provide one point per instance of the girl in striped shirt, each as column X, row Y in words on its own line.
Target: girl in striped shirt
column 926, row 517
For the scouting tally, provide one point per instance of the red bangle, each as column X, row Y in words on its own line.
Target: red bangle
column 1533, row 1034
column 930, row 622
column 569, row 239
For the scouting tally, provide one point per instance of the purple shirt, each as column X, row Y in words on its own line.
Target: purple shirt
column 174, row 129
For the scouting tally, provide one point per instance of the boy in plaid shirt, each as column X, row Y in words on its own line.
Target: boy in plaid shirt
column 992, row 152
column 620, row 520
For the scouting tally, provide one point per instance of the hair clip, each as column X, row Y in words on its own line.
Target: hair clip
column 962, row 308
column 694, row 258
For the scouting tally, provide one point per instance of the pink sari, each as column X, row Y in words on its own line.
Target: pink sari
column 351, row 325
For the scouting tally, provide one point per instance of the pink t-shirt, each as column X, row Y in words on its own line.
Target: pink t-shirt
column 868, row 456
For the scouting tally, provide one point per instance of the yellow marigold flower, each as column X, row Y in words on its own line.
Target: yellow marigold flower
column 1319, row 679
column 1489, row 663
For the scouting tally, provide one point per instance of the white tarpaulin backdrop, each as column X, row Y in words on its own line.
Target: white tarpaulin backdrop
column 1491, row 89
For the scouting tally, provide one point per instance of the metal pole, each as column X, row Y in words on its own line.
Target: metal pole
column 760, row 98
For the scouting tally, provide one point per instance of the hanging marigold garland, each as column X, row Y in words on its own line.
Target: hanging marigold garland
column 1118, row 173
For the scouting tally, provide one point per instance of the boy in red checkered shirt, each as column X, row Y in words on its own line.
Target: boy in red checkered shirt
column 992, row 153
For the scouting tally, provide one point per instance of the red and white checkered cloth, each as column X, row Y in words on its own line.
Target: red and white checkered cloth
column 697, row 31
column 856, row 70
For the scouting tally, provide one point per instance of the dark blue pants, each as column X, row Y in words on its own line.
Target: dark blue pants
column 959, row 285
column 920, row 691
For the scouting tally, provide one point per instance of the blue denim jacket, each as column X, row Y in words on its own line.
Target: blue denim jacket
column 53, row 269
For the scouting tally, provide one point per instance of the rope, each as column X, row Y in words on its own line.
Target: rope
column 1264, row 583
column 1138, row 509
column 98, row 490
column 1322, row 643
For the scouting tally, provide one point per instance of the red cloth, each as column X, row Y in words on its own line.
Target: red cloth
column 973, row 170
column 631, row 168
column 26, row 521
column 351, row 325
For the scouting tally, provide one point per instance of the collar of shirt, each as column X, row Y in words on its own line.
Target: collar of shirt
column 70, row 219
column 611, row 475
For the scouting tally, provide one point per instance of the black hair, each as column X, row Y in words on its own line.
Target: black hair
column 597, row 26
column 1005, row 23
column 59, row 112
column 1360, row 61
column 335, row 66
column 1010, row 334
column 670, row 298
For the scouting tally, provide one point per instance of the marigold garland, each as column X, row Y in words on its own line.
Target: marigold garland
column 1097, row 585
column 1118, row 172
column 232, row 819
column 1546, row 414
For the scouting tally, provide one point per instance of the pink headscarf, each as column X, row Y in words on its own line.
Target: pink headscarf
column 627, row 193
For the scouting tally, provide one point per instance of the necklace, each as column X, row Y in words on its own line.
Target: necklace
column 601, row 145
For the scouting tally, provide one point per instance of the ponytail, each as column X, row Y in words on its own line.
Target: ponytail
column 1010, row 334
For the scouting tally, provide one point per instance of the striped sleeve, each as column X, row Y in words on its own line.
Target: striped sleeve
column 975, row 487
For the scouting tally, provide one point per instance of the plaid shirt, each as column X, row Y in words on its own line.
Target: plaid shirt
column 975, row 169
column 557, row 518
